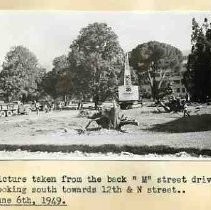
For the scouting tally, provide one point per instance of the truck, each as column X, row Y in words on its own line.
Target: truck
column 6, row 110
column 13, row 108
column 128, row 94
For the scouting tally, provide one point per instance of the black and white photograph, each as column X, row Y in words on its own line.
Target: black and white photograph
column 105, row 85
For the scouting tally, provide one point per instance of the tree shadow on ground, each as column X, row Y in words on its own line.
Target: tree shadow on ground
column 195, row 123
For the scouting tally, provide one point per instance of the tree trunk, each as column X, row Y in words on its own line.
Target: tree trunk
column 153, row 93
column 96, row 100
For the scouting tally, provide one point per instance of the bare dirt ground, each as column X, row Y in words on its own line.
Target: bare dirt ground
column 157, row 133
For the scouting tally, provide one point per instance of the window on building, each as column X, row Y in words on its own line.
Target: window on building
column 178, row 90
column 183, row 90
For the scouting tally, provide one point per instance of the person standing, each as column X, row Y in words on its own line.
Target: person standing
column 60, row 106
column 37, row 107
column 80, row 102
column 185, row 110
column 52, row 106
column 46, row 109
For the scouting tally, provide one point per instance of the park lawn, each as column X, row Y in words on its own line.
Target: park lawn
column 156, row 133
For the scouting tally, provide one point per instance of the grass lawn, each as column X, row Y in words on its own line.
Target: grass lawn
column 160, row 133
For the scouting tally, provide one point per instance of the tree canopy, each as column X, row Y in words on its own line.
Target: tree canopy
column 197, row 78
column 96, row 59
column 20, row 75
column 152, row 61
column 58, row 82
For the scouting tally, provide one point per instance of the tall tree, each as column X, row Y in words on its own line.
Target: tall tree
column 20, row 75
column 197, row 78
column 58, row 82
column 97, row 60
column 154, row 63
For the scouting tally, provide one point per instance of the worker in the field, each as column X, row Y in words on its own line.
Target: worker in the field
column 185, row 110
column 37, row 107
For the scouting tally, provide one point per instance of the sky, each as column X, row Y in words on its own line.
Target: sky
column 48, row 34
